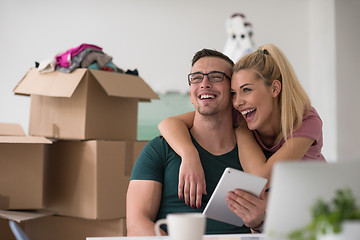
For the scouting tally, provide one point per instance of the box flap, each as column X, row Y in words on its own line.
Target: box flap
column 11, row 129
column 24, row 139
column 20, row 216
column 54, row 84
column 124, row 85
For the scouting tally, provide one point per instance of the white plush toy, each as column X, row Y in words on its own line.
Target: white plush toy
column 239, row 41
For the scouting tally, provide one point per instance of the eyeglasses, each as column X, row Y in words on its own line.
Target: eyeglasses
column 212, row 77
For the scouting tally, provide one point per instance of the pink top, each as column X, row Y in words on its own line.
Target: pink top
column 311, row 127
column 64, row 59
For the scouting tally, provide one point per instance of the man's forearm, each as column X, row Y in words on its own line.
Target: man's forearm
column 142, row 228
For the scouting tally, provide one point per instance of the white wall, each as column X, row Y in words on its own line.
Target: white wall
column 347, row 16
column 322, row 70
column 159, row 38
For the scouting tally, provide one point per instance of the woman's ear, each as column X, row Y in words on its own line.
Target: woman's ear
column 276, row 88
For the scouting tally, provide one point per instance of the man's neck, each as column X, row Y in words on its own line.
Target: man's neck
column 214, row 133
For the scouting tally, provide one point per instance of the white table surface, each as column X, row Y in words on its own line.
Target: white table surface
column 206, row 237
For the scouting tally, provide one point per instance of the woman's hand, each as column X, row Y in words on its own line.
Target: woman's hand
column 191, row 181
column 191, row 174
column 249, row 208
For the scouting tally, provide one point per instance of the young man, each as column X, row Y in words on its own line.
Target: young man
column 153, row 188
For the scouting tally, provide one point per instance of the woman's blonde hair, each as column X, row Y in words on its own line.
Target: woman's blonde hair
column 270, row 64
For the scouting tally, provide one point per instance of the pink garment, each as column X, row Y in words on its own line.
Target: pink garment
column 311, row 127
column 64, row 59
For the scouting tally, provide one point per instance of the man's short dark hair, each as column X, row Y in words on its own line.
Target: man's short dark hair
column 210, row 53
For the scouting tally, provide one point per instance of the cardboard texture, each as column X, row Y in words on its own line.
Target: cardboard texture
column 85, row 104
column 5, row 231
column 22, row 216
column 136, row 149
column 4, row 202
column 11, row 129
column 89, row 179
column 60, row 228
column 21, row 171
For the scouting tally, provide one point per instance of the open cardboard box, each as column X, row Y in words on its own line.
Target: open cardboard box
column 20, row 217
column 43, row 224
column 89, row 179
column 61, row 227
column 22, row 167
column 84, row 104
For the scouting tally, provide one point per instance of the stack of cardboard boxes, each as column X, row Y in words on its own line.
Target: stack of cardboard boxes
column 91, row 118
column 21, row 173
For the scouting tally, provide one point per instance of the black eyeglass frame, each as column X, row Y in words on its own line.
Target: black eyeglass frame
column 207, row 74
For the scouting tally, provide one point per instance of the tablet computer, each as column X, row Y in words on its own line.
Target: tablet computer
column 217, row 207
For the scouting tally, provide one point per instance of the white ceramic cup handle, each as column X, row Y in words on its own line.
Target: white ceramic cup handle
column 158, row 224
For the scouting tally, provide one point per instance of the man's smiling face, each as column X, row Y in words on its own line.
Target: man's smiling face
column 211, row 98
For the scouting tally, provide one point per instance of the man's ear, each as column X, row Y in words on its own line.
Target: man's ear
column 276, row 88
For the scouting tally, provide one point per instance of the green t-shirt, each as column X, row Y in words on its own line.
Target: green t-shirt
column 160, row 163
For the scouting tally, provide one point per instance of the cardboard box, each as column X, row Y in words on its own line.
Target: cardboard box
column 4, row 202
column 11, row 129
column 19, row 217
column 40, row 224
column 22, row 169
column 89, row 179
column 60, row 228
column 5, row 231
column 84, row 104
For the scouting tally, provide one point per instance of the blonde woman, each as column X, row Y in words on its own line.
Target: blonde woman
column 274, row 122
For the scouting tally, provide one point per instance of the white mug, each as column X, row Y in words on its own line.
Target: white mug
column 189, row 226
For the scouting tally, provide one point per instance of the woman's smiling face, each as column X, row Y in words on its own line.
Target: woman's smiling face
column 254, row 100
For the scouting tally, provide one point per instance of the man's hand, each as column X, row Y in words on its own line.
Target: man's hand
column 191, row 181
column 249, row 208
